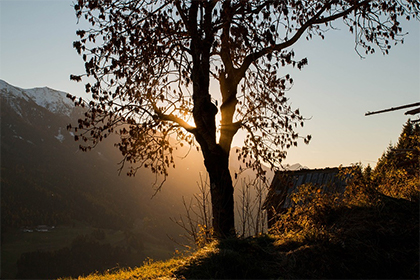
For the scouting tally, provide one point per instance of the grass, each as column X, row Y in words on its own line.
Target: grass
column 363, row 236
column 250, row 258
column 149, row 271
column 380, row 241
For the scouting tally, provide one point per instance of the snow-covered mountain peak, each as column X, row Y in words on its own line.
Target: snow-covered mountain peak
column 11, row 92
column 294, row 167
column 53, row 100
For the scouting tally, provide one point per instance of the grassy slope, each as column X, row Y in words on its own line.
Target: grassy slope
column 363, row 238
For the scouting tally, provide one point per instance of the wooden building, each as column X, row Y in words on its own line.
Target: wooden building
column 285, row 183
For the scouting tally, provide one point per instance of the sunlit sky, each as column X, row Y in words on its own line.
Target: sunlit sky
column 334, row 90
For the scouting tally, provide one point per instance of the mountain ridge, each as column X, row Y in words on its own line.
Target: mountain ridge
column 47, row 180
column 53, row 100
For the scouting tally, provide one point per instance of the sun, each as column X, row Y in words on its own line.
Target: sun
column 190, row 121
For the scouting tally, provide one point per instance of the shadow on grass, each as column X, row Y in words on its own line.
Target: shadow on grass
column 380, row 241
column 250, row 258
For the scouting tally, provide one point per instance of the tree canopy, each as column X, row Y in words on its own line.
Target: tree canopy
column 398, row 169
column 149, row 65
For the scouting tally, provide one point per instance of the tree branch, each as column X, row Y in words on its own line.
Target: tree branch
column 315, row 20
column 225, row 49
column 182, row 14
column 177, row 120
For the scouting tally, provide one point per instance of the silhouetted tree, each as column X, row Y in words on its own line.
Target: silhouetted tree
column 150, row 63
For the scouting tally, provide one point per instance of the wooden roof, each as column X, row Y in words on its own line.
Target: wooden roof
column 286, row 182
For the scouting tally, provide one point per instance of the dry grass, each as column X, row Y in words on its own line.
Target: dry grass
column 363, row 234
column 150, row 270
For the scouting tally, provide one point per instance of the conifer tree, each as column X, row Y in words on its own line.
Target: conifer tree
column 398, row 169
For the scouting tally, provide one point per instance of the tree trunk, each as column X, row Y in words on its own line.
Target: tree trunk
column 221, row 189
column 216, row 156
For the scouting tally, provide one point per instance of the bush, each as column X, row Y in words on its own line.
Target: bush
column 361, row 233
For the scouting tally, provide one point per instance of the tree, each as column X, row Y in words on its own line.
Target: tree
column 404, row 154
column 149, row 64
column 398, row 169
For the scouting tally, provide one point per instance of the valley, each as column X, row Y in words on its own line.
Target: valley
column 47, row 180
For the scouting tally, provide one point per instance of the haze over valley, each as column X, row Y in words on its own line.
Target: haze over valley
column 47, row 181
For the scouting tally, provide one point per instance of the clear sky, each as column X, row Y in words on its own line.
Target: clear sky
column 334, row 90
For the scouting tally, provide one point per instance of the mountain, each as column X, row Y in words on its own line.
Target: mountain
column 47, row 180
column 54, row 101
column 293, row 167
column 44, row 172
